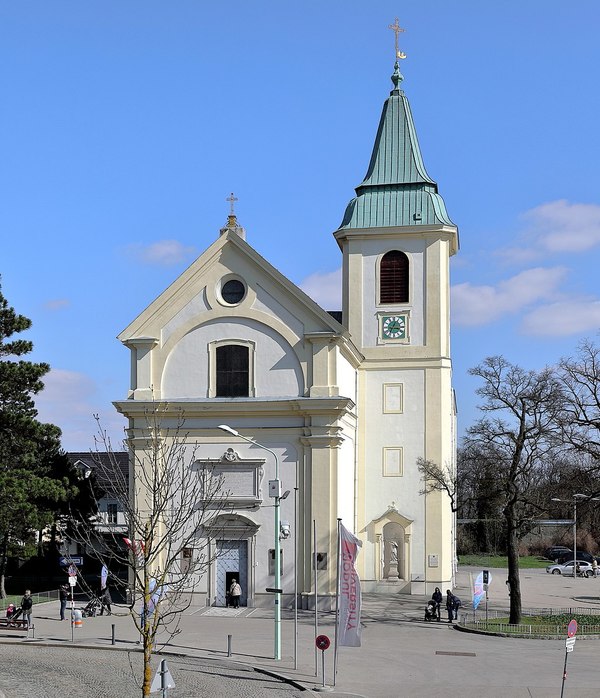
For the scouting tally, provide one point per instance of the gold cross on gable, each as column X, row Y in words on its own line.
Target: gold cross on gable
column 232, row 199
column 396, row 28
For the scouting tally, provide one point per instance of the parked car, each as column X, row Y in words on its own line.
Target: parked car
column 555, row 551
column 581, row 555
column 566, row 569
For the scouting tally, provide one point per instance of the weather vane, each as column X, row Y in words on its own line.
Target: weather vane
column 232, row 199
column 396, row 28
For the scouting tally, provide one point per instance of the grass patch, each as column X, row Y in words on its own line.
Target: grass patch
column 527, row 562
column 542, row 625
column 11, row 598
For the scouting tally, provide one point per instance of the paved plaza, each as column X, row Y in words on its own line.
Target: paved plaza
column 401, row 655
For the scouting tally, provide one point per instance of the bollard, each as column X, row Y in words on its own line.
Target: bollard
column 229, row 645
column 112, row 640
column 32, row 632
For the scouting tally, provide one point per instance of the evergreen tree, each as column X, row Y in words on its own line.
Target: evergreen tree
column 30, row 487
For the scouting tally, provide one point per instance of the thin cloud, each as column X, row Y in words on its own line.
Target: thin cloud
column 556, row 227
column 474, row 306
column 57, row 304
column 70, row 400
column 325, row 289
column 166, row 253
column 562, row 319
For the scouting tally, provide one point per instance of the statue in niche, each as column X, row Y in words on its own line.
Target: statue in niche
column 391, row 560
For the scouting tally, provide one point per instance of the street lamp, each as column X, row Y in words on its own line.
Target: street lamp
column 574, row 502
column 275, row 493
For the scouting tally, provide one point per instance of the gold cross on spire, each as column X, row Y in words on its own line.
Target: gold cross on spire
column 396, row 28
column 232, row 199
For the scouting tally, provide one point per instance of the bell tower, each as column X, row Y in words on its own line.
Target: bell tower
column 397, row 238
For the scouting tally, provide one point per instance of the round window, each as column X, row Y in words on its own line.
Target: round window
column 233, row 291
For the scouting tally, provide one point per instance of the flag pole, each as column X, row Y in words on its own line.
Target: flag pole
column 316, row 594
column 337, row 600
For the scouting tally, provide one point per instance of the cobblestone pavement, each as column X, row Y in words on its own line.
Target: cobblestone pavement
column 30, row 671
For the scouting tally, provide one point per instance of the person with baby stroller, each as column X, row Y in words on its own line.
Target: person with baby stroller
column 431, row 610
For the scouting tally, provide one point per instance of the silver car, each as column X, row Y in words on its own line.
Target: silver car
column 585, row 569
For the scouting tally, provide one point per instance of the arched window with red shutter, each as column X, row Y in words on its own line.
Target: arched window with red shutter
column 393, row 278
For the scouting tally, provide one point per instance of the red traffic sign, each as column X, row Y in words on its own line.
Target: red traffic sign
column 572, row 628
column 322, row 642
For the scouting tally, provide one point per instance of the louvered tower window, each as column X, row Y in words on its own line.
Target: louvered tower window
column 393, row 278
column 232, row 371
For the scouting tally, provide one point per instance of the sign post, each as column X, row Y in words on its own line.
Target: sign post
column 72, row 583
column 486, row 585
column 569, row 647
column 322, row 643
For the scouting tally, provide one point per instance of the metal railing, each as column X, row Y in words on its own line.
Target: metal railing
column 496, row 621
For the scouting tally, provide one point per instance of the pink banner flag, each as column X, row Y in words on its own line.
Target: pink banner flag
column 350, row 598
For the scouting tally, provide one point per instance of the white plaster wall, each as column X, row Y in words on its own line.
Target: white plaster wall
column 266, row 303
column 372, row 252
column 193, row 309
column 277, row 370
column 346, row 482
column 346, row 376
column 392, row 430
column 405, row 430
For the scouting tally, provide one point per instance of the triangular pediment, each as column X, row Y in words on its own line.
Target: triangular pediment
column 193, row 294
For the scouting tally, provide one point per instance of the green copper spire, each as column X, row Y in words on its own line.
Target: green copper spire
column 396, row 191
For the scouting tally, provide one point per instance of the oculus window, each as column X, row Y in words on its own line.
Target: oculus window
column 393, row 278
column 233, row 291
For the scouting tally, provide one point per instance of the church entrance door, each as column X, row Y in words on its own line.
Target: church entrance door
column 232, row 563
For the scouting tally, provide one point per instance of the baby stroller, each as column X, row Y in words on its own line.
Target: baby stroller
column 92, row 609
column 431, row 610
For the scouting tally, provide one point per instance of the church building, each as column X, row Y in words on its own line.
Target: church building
column 342, row 404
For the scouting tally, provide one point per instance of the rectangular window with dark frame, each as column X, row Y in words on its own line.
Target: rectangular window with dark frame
column 111, row 513
column 233, row 371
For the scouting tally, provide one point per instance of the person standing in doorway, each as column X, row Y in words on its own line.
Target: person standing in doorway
column 235, row 591
column 26, row 607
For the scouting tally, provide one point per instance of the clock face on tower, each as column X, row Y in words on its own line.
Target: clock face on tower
column 393, row 326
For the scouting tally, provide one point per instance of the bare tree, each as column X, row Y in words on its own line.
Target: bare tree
column 439, row 478
column 516, row 439
column 581, row 414
column 167, row 501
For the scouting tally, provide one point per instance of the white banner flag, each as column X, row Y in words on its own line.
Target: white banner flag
column 349, row 601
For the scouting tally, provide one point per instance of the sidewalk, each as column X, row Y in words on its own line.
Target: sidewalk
column 401, row 655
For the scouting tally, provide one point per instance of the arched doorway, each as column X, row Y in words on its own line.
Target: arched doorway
column 232, row 557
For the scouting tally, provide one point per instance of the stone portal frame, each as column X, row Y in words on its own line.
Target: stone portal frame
column 398, row 529
column 231, row 526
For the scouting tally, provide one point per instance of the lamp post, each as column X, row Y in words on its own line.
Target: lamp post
column 574, row 502
column 275, row 492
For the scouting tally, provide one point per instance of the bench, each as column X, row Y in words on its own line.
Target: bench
column 8, row 624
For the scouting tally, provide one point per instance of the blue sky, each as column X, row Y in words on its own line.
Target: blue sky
column 126, row 124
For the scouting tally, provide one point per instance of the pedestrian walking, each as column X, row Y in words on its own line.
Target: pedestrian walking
column 106, row 601
column 235, row 591
column 26, row 608
column 63, row 595
column 595, row 567
column 437, row 599
column 450, row 605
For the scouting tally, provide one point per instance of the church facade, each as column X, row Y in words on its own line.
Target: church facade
column 345, row 402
